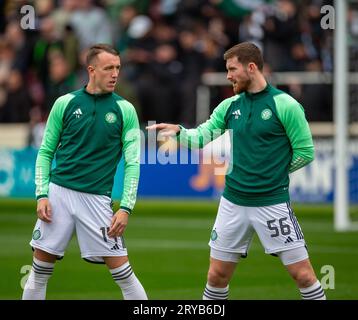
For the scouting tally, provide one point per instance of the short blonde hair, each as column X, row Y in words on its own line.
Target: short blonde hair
column 97, row 49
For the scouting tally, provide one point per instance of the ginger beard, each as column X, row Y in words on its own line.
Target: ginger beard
column 241, row 83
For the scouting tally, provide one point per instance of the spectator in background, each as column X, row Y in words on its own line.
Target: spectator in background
column 191, row 59
column 6, row 61
column 164, row 33
column 70, row 48
column 7, row 55
column 284, row 28
column 140, row 48
column 113, row 7
column 251, row 28
column 20, row 43
column 61, row 80
column 138, row 56
column 45, row 44
column 216, row 29
column 160, row 90
column 62, row 16
column 125, row 16
column 212, row 54
column 81, row 73
column 317, row 98
column 18, row 101
column 43, row 8
column 299, row 57
column 312, row 30
column 91, row 24
column 281, row 30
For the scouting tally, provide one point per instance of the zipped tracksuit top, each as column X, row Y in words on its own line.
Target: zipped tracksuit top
column 88, row 133
column 270, row 139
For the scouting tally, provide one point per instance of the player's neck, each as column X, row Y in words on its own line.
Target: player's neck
column 258, row 84
column 93, row 89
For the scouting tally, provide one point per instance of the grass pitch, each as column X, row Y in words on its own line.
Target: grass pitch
column 167, row 246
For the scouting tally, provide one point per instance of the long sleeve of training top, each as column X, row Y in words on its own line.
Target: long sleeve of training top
column 270, row 138
column 87, row 135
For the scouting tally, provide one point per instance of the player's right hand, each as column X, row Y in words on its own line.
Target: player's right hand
column 44, row 211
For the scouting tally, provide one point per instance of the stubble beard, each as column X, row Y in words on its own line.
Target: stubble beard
column 241, row 86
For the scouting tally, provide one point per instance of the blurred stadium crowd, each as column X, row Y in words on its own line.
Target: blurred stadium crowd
column 165, row 46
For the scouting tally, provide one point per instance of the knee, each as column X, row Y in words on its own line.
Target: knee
column 304, row 278
column 218, row 278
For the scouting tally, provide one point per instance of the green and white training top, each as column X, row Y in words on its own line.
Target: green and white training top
column 88, row 133
column 270, row 139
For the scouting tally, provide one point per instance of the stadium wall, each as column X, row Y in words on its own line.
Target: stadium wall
column 312, row 184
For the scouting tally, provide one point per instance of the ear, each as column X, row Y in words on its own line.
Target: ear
column 251, row 67
column 90, row 69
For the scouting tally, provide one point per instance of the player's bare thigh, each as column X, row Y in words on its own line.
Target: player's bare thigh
column 220, row 272
column 302, row 272
column 115, row 262
column 44, row 256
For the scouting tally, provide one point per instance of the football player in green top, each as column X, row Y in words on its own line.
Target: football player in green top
column 87, row 133
column 270, row 139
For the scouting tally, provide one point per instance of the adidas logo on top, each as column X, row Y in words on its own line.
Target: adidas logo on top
column 237, row 113
column 78, row 113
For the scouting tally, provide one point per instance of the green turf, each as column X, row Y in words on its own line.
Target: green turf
column 167, row 244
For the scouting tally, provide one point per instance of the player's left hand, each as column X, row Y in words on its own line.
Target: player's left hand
column 118, row 224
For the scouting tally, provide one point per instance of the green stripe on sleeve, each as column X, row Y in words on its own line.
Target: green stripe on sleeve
column 49, row 145
column 292, row 117
column 131, row 153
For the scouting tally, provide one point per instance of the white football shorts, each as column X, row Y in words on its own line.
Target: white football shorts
column 275, row 225
column 88, row 215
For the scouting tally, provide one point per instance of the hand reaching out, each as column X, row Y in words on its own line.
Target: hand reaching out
column 166, row 129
